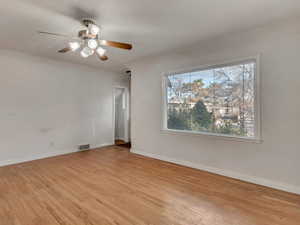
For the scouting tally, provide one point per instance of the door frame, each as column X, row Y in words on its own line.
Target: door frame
column 126, row 112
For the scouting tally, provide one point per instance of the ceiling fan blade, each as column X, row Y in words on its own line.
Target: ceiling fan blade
column 64, row 50
column 116, row 44
column 103, row 57
column 56, row 34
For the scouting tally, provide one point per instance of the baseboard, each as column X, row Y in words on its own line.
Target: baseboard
column 101, row 145
column 120, row 138
column 35, row 157
column 227, row 173
column 46, row 155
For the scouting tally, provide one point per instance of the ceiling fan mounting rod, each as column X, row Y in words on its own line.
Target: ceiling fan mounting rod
column 86, row 22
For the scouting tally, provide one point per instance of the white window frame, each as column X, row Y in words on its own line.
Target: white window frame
column 257, row 103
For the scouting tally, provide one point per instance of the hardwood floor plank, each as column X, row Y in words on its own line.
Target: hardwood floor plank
column 111, row 186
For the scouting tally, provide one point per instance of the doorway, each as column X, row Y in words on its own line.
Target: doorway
column 121, row 116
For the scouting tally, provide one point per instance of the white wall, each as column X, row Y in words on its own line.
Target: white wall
column 48, row 107
column 275, row 162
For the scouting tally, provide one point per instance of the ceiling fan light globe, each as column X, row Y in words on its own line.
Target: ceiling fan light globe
column 101, row 51
column 88, row 51
column 92, row 44
column 93, row 29
column 83, row 54
column 74, row 46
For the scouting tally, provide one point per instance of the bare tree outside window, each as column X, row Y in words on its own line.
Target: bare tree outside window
column 216, row 100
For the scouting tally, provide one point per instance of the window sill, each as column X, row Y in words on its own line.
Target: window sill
column 212, row 135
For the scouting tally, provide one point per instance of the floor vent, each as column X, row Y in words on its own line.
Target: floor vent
column 84, row 147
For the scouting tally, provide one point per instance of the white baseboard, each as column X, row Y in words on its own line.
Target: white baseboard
column 227, row 173
column 119, row 138
column 101, row 145
column 35, row 157
column 46, row 155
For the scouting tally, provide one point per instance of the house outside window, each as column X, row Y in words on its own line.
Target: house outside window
column 217, row 100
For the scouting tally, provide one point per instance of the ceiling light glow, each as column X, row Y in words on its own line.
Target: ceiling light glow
column 82, row 53
column 92, row 43
column 74, row 46
column 86, row 52
column 101, row 51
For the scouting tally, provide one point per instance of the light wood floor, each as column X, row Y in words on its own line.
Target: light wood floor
column 112, row 186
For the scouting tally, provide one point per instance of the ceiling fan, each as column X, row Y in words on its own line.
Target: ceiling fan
column 89, row 41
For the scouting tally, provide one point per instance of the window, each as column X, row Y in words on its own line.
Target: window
column 218, row 100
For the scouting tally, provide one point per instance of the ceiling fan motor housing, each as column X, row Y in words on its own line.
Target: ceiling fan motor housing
column 84, row 34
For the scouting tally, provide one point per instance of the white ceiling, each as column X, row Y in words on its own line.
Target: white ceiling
column 151, row 26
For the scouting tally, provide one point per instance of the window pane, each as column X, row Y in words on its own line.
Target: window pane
column 179, row 93
column 218, row 100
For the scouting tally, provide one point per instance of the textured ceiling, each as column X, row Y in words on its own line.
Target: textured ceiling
column 151, row 26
